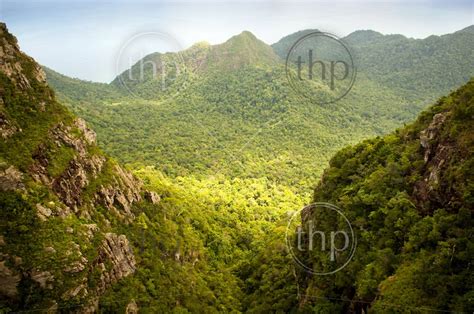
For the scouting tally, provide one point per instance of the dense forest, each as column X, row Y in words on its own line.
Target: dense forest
column 196, row 219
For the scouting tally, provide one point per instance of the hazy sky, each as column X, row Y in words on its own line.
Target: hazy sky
column 84, row 39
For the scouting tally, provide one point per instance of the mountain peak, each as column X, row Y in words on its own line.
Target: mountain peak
column 245, row 36
column 242, row 49
column 363, row 36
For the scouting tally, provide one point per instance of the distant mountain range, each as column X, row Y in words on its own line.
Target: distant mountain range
column 234, row 104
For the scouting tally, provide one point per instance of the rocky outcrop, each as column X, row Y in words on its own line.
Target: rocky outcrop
column 119, row 195
column 132, row 308
column 12, row 66
column 117, row 251
column 152, row 197
column 80, row 170
column 43, row 278
column 64, row 176
column 43, row 212
column 430, row 133
column 436, row 152
column 9, row 280
column 7, row 129
column 11, row 179
column 89, row 134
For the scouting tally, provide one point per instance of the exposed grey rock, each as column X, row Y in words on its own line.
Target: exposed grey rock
column 50, row 249
column 89, row 134
column 91, row 230
column 117, row 251
column 44, row 278
column 436, row 152
column 132, row 308
column 119, row 190
column 152, row 197
column 43, row 212
column 70, row 184
column 11, row 179
column 8, row 281
column 79, row 290
column 431, row 132
column 77, row 266
column 121, row 194
column 11, row 66
column 7, row 129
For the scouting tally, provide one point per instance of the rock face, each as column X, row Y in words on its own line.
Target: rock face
column 65, row 198
column 152, row 197
column 7, row 129
column 89, row 134
column 120, row 194
column 430, row 133
column 437, row 151
column 9, row 280
column 132, row 308
column 117, row 251
column 12, row 67
column 10, row 179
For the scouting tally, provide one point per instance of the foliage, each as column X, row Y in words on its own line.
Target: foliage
column 413, row 211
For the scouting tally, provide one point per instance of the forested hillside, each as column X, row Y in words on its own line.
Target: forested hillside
column 419, row 69
column 81, row 233
column 187, row 209
column 409, row 196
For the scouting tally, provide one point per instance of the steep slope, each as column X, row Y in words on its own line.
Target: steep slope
column 79, row 232
column 62, row 200
column 409, row 197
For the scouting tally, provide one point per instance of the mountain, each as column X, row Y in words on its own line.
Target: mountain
column 241, row 50
column 158, row 74
column 63, row 201
column 409, row 197
column 282, row 47
column 417, row 68
column 232, row 105
column 78, row 231
column 220, row 160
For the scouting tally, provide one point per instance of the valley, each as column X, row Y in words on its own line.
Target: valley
column 191, row 188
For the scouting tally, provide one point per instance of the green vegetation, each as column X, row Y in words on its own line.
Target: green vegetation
column 419, row 69
column 232, row 152
column 412, row 209
column 196, row 247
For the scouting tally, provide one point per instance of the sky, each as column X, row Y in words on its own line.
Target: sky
column 95, row 39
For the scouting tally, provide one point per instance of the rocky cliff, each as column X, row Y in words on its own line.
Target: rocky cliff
column 63, row 202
